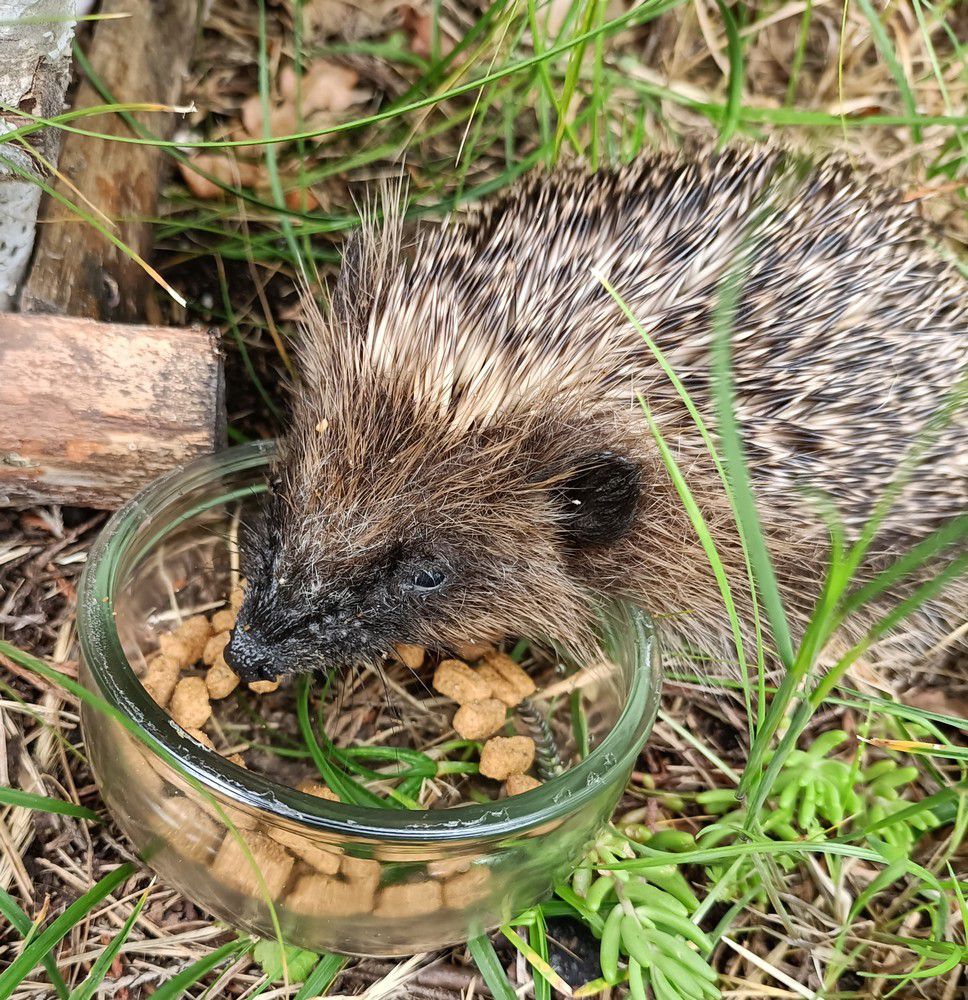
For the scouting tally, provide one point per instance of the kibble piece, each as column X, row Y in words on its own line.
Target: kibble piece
column 235, row 870
column 187, row 642
column 476, row 720
column 506, row 679
column 518, row 783
column 224, row 814
column 474, row 650
column 190, row 706
column 214, row 647
column 236, row 758
column 469, row 887
column 235, row 598
column 446, row 867
column 317, row 857
column 503, row 756
column 201, row 737
column 329, row 896
column 176, row 648
column 241, row 819
column 455, row 680
column 409, row 899
column 410, row 655
column 223, row 621
column 160, row 678
column 143, row 768
column 361, row 871
column 221, row 680
column 193, row 834
column 264, row 687
column 311, row 787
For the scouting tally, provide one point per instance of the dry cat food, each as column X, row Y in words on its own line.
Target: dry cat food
column 444, row 729
column 421, row 730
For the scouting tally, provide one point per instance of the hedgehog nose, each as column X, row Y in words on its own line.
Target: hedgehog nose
column 248, row 656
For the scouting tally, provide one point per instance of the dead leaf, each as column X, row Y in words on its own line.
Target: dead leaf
column 328, row 87
column 282, row 117
column 419, row 28
column 234, row 173
column 930, row 191
column 325, row 87
column 301, row 200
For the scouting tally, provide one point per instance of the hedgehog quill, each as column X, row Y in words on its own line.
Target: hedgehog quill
column 468, row 458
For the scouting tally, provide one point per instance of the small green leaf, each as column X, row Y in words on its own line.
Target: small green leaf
column 298, row 962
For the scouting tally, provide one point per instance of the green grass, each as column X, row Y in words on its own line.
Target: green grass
column 27, row 800
column 38, row 946
column 508, row 97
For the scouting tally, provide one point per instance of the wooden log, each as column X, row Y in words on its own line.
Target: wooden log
column 142, row 56
column 91, row 412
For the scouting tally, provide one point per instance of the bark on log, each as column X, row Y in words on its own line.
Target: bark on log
column 76, row 271
column 35, row 67
column 91, row 412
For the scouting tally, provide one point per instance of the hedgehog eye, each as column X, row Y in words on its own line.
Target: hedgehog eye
column 429, row 578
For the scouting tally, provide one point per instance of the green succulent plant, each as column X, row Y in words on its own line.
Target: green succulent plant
column 813, row 793
column 642, row 919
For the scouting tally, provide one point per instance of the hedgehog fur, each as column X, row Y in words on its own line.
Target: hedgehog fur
column 468, row 457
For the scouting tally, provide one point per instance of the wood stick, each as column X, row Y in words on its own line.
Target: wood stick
column 142, row 56
column 91, row 412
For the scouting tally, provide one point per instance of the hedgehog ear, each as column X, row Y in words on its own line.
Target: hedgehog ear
column 597, row 501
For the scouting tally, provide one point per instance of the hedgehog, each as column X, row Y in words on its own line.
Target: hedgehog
column 469, row 457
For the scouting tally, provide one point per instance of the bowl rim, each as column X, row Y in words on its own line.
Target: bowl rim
column 115, row 680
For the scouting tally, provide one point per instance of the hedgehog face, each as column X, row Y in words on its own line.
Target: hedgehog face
column 330, row 611
column 428, row 563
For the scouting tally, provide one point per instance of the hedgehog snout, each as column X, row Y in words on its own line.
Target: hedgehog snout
column 249, row 656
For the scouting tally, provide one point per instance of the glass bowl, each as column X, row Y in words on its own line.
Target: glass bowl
column 262, row 855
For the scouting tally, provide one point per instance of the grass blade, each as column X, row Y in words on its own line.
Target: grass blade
column 345, row 787
column 97, row 224
column 87, row 989
column 734, row 94
column 490, row 968
column 571, row 75
column 640, row 14
column 176, row 986
column 48, row 938
column 735, row 460
column 888, row 54
column 537, row 957
column 24, row 926
column 321, row 978
column 914, row 558
column 803, row 33
column 44, row 803
column 698, row 523
column 707, row 438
